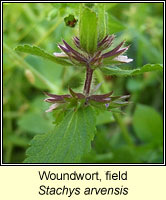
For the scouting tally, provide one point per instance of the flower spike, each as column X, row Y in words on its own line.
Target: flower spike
column 96, row 59
column 91, row 62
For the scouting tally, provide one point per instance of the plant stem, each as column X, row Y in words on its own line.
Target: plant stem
column 8, row 154
column 89, row 73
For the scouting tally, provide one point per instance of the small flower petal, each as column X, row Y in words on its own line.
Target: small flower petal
column 52, row 107
column 123, row 59
column 60, row 55
column 96, row 88
column 102, row 41
column 67, row 51
column 106, row 42
column 77, row 42
column 52, row 100
column 107, row 105
column 56, row 96
column 101, row 100
column 114, row 51
column 102, row 95
column 75, row 53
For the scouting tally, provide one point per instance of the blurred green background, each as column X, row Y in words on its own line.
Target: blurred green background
column 25, row 78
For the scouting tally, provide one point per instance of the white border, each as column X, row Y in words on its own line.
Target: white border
column 2, row 85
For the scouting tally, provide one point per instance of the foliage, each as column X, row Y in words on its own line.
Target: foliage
column 74, row 133
column 121, row 72
column 135, row 137
column 36, row 51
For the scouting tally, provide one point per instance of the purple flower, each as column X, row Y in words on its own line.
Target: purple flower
column 114, row 56
column 80, row 57
column 64, row 101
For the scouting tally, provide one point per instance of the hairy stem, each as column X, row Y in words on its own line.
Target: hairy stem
column 89, row 73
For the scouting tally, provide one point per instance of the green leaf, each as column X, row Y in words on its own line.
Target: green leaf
column 147, row 153
column 52, row 72
column 124, row 154
column 29, row 121
column 70, row 140
column 88, row 30
column 39, row 77
column 114, row 25
column 134, row 85
column 148, row 124
column 101, row 21
column 121, row 72
column 36, row 51
column 104, row 117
